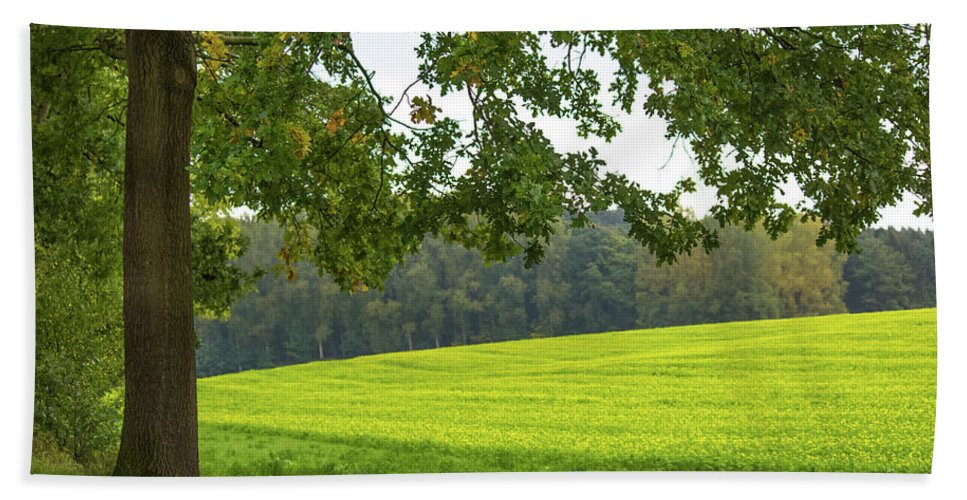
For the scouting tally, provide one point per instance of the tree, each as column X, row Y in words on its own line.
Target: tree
column 841, row 110
column 673, row 295
column 551, row 288
column 466, row 301
column 159, row 435
column 748, row 277
column 417, row 298
column 807, row 279
column 510, row 319
column 381, row 319
column 601, row 264
column 739, row 287
column 917, row 249
column 435, row 322
column 878, row 278
column 326, row 313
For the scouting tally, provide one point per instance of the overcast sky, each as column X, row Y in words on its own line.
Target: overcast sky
column 640, row 151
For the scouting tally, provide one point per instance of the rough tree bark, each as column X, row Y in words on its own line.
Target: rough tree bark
column 159, row 436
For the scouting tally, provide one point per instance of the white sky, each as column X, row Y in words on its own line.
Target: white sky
column 639, row 151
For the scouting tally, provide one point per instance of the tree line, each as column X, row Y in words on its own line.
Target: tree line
column 593, row 279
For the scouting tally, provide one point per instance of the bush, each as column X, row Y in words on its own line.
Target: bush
column 77, row 401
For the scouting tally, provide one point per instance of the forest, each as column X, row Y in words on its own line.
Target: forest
column 594, row 279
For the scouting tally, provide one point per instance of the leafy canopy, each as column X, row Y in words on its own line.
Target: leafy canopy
column 291, row 126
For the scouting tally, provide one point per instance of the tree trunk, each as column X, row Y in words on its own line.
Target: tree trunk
column 437, row 340
column 238, row 353
column 322, row 354
column 159, row 436
column 409, row 340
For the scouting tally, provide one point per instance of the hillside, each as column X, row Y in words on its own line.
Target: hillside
column 832, row 393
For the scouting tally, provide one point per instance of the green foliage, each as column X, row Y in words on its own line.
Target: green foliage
column 77, row 102
column 916, row 247
column 216, row 243
column 552, row 289
column 509, row 318
column 749, row 277
column 380, row 321
column 290, row 125
column 78, row 94
column 592, row 279
column 313, row 155
column 879, row 278
column 47, row 458
column 841, row 110
column 835, row 393
column 79, row 360
column 808, row 280
column 600, row 272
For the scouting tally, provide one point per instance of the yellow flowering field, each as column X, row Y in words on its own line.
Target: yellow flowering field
column 833, row 393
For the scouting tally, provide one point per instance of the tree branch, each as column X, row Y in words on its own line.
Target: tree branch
column 781, row 41
column 372, row 88
column 404, row 94
column 382, row 174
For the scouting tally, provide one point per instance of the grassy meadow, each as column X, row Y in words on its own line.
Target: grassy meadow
column 833, row 393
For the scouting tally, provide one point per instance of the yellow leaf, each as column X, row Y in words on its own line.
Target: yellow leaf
column 358, row 286
column 336, row 121
column 216, row 50
column 302, row 140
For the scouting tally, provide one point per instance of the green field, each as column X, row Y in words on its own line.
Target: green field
column 834, row 393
